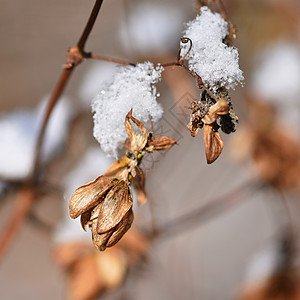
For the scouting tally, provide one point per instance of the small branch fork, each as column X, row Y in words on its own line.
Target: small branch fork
column 75, row 56
column 26, row 193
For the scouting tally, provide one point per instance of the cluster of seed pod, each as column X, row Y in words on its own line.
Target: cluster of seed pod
column 105, row 204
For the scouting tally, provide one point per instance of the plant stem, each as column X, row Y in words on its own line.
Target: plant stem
column 205, row 213
column 222, row 9
column 62, row 81
column 27, row 193
column 61, row 84
column 21, row 208
column 89, row 26
column 114, row 60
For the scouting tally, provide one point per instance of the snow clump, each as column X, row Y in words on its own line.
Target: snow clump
column 131, row 87
column 215, row 62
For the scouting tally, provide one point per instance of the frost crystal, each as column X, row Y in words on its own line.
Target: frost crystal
column 214, row 61
column 132, row 87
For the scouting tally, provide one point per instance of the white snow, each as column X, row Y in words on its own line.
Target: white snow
column 18, row 134
column 214, row 61
column 132, row 87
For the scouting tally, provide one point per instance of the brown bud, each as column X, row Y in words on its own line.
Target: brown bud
column 213, row 144
column 160, row 143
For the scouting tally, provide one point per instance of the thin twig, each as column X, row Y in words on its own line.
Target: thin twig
column 222, row 9
column 27, row 194
column 61, row 84
column 205, row 213
column 172, row 64
column 114, row 60
column 62, row 81
column 22, row 206
column 89, row 25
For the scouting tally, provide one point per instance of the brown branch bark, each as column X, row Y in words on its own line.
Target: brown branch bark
column 21, row 208
column 222, row 9
column 62, row 81
column 61, row 84
column 89, row 26
column 114, row 60
column 26, row 194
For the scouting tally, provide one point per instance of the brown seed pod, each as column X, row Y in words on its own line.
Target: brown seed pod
column 89, row 195
column 213, row 144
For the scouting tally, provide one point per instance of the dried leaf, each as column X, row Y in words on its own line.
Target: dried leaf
column 100, row 240
column 137, row 142
column 88, row 195
column 114, row 207
column 121, row 229
column 117, row 167
column 160, row 143
column 192, row 128
column 219, row 108
column 139, row 183
column 85, row 217
column 213, row 144
column 208, row 120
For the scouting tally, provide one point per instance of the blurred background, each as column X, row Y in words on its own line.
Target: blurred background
column 225, row 231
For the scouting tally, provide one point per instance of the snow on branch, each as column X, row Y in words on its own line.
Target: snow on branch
column 209, row 57
column 131, row 87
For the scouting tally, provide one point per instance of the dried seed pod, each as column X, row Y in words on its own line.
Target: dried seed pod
column 89, row 195
column 121, row 229
column 160, row 143
column 116, row 169
column 114, row 206
column 213, row 144
column 219, row 108
column 137, row 141
column 111, row 237
column 139, row 183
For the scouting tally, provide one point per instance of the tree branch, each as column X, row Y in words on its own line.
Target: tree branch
column 205, row 213
column 26, row 194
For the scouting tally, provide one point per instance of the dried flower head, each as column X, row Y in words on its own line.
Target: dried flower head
column 105, row 204
column 205, row 113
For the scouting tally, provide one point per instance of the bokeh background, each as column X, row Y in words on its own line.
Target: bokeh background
column 211, row 253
